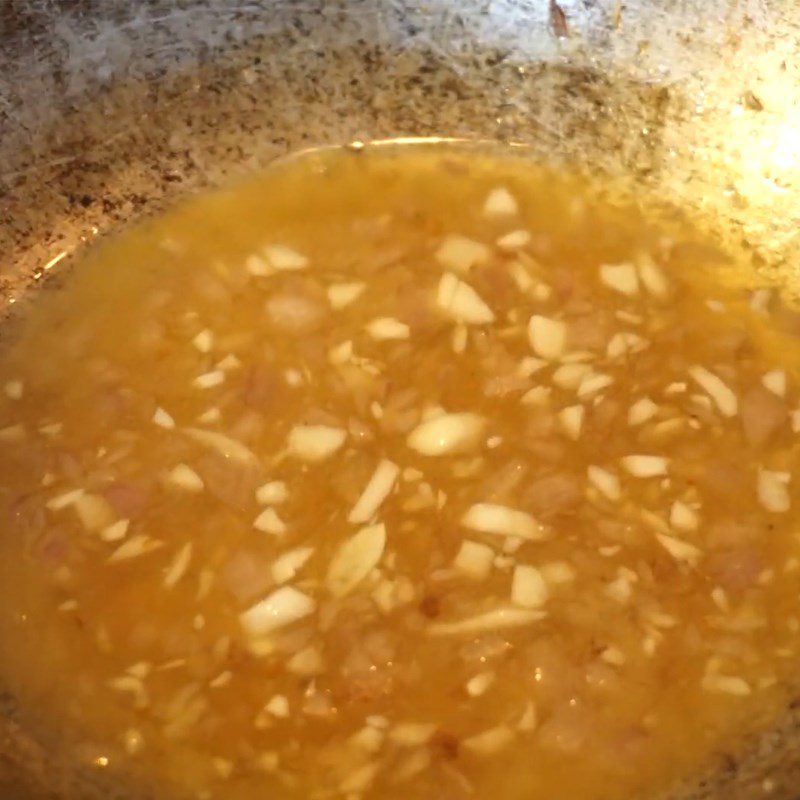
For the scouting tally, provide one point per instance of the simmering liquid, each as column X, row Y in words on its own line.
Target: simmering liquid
column 407, row 472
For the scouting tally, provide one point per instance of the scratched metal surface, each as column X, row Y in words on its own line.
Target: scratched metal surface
column 109, row 110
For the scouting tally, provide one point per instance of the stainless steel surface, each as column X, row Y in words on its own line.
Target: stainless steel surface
column 111, row 109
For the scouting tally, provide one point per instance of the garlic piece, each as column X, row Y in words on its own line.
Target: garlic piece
column 474, row 559
column 278, row 609
column 683, row 517
column 461, row 302
column 641, row 411
column 461, row 254
column 528, row 587
column 315, row 443
column 720, row 392
column 288, row 564
column 447, row 433
column 163, row 419
column 606, row 482
column 514, row 240
column 385, row 329
column 268, row 521
column 355, row 559
column 502, row 521
column 547, row 337
column 375, row 492
column 184, row 477
column 284, row 259
column 645, row 466
column 621, row 278
column 571, row 421
column 500, row 203
column 341, row 295
column 772, row 489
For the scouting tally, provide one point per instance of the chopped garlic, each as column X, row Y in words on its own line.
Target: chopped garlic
column 272, row 493
column 204, row 341
column 773, row 490
column 461, row 302
column 721, row 394
column 547, row 337
column 288, row 564
column 724, row 684
column 223, row 445
column 461, row 254
column 355, row 558
column 268, row 521
column 528, row 587
column 775, row 381
column 184, row 477
column 163, row 419
column 606, row 482
column 209, row 379
column 503, row 521
column 94, row 511
column 621, row 278
column 278, row 706
column 284, row 259
column 474, row 559
column 64, row 499
column 479, row 684
column 343, row 294
column 641, row 411
column 500, row 203
column 491, row 741
column 177, row 569
column 306, row 662
column 683, row 517
column 280, row 608
column 571, row 421
column 134, row 547
column 447, row 433
column 375, row 492
column 498, row 619
column 115, row 531
column 593, row 383
column 653, row 278
column 315, row 443
column 514, row 240
column 557, row 573
column 678, row 549
column 384, row 329
column 412, row 734
column 569, row 376
column 645, row 466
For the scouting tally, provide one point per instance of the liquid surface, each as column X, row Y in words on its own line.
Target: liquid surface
column 412, row 472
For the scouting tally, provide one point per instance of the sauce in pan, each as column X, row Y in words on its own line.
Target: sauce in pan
column 408, row 472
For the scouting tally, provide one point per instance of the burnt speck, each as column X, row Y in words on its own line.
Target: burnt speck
column 558, row 20
column 752, row 101
column 430, row 606
column 444, row 745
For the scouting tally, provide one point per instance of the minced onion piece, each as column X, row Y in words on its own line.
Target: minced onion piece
column 315, row 443
column 461, row 302
column 547, row 337
column 479, row 684
column 720, row 392
column 272, row 493
column 204, row 341
column 94, row 511
column 268, row 521
column 500, row 203
column 177, row 569
column 494, row 620
column 343, row 294
column 223, row 445
column 645, row 466
column 772, row 489
column 461, row 254
column 163, row 419
column 388, row 329
column 503, row 521
column 528, row 587
column 134, row 547
column 283, row 258
column 653, row 278
column 184, row 477
column 514, row 240
column 678, row 549
column 375, row 492
column 775, row 382
column 209, row 380
column 474, row 559
column 115, row 531
column 571, row 420
column 447, row 433
column 621, row 278
column 280, row 608
column 355, row 558
column 606, row 482
column 489, row 742
column 683, row 517
column 288, row 564
column 641, row 411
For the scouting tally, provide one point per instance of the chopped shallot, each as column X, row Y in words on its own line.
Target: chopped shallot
column 447, row 433
column 503, row 521
column 461, row 254
column 280, row 608
column 315, row 443
column 621, row 278
column 355, row 558
column 375, row 492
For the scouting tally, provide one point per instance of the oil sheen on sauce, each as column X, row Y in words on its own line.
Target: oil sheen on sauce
column 410, row 472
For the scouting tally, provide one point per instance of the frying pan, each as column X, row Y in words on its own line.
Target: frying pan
column 110, row 110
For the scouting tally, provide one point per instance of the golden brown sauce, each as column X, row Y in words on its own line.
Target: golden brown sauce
column 411, row 472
